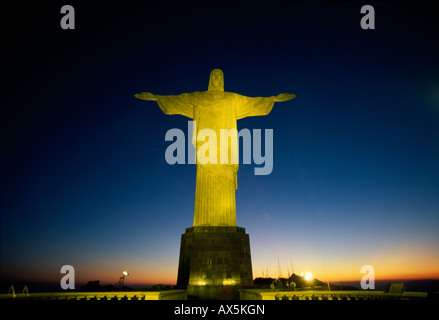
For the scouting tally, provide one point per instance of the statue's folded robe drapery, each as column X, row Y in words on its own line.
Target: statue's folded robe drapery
column 216, row 183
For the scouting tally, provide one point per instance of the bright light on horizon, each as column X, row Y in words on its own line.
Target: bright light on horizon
column 308, row 276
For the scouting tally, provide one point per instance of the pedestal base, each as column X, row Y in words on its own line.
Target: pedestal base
column 215, row 262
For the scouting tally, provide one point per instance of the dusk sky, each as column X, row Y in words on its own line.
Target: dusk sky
column 84, row 181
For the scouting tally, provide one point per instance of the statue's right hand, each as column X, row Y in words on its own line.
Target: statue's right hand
column 146, row 96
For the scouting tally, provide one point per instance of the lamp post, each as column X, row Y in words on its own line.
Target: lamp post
column 119, row 285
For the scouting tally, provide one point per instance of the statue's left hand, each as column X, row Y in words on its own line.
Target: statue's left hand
column 284, row 97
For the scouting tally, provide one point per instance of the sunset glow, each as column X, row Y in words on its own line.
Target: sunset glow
column 354, row 179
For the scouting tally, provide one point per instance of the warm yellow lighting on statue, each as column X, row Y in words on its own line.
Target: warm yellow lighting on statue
column 308, row 276
column 228, row 282
column 125, row 273
column 216, row 110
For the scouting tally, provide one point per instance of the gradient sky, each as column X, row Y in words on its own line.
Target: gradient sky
column 83, row 174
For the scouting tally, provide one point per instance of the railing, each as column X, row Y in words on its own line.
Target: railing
column 269, row 294
column 245, row 294
column 115, row 295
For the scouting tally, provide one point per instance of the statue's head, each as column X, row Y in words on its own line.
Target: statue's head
column 216, row 81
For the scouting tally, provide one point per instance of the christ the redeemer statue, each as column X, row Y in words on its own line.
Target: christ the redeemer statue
column 215, row 109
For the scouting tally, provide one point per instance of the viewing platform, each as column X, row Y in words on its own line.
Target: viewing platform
column 114, row 295
column 245, row 294
column 272, row 294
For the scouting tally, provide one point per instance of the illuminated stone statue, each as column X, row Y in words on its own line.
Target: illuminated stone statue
column 215, row 109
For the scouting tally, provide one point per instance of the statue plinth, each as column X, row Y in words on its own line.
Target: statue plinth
column 215, row 262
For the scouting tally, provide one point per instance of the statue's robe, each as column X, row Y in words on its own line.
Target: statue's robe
column 216, row 183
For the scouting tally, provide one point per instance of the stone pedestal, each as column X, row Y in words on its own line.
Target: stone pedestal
column 215, row 262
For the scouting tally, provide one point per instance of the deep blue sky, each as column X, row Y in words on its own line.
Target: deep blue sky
column 83, row 175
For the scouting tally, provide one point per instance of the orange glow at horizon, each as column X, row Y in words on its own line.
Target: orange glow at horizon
column 403, row 261
column 168, row 275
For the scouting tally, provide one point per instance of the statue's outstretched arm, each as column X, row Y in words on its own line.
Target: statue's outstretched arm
column 171, row 104
column 284, row 97
column 146, row 96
